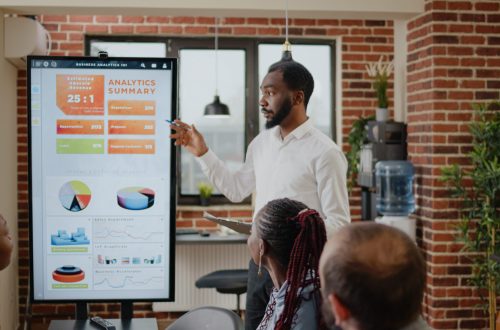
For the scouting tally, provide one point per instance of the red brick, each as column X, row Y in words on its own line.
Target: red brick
column 183, row 20
column 107, row 19
column 245, row 31
column 304, row 22
column 122, row 29
column 268, row 31
column 233, row 20
column 146, row 29
column 81, row 18
column 351, row 22
column 96, row 28
column 174, row 30
column 132, row 19
column 157, row 19
column 71, row 46
column 487, row 6
column 332, row 22
column 459, row 5
column 336, row 31
column 71, row 27
column 196, row 29
column 205, row 20
column 258, row 21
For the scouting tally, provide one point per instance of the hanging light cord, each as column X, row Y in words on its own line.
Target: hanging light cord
column 286, row 22
column 287, row 47
column 216, row 60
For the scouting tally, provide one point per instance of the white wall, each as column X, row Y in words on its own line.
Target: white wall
column 362, row 9
column 8, row 183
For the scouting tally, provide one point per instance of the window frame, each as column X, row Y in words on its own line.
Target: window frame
column 250, row 46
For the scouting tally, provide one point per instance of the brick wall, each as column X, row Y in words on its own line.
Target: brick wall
column 362, row 41
column 453, row 61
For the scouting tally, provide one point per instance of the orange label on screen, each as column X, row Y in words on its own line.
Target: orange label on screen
column 131, row 108
column 145, row 127
column 80, row 94
column 131, row 146
column 80, row 126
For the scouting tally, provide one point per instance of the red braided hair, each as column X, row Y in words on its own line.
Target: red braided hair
column 281, row 220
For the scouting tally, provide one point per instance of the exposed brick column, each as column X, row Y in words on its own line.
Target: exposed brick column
column 453, row 61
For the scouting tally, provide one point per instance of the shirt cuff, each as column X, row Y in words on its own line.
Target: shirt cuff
column 208, row 160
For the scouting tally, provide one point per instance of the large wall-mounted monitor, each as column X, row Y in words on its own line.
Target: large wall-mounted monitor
column 102, row 178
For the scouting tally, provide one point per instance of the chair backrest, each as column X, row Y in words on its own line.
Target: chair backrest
column 208, row 318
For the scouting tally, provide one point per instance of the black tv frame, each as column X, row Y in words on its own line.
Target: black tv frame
column 127, row 311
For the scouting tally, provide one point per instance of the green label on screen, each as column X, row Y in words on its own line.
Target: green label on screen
column 69, row 249
column 70, row 286
column 80, row 146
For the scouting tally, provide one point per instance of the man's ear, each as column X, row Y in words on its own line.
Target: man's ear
column 340, row 312
column 298, row 97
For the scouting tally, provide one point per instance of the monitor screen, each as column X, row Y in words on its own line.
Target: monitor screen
column 102, row 178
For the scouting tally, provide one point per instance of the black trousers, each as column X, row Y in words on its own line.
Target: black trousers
column 258, row 291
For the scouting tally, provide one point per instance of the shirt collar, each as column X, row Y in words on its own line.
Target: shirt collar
column 298, row 132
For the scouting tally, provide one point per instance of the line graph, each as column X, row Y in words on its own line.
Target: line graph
column 132, row 230
column 128, row 233
column 130, row 283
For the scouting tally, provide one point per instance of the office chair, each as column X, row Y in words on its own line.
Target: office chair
column 229, row 281
column 208, row 318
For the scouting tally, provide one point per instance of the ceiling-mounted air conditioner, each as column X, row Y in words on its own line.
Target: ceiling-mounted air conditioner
column 24, row 36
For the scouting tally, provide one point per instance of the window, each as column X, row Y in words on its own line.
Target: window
column 242, row 64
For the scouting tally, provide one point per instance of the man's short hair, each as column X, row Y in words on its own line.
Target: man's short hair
column 377, row 272
column 296, row 77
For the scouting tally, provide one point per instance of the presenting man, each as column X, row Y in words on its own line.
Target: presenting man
column 291, row 158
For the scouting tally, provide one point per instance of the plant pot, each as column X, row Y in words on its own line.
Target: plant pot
column 381, row 114
column 204, row 201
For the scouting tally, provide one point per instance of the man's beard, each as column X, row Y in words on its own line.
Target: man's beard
column 281, row 114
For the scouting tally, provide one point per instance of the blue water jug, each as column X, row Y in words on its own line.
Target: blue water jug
column 394, row 180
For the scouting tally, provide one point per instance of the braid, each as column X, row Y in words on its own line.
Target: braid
column 281, row 220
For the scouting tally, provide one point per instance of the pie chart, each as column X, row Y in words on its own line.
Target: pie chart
column 136, row 198
column 74, row 196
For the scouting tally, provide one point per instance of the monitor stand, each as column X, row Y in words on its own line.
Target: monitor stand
column 126, row 322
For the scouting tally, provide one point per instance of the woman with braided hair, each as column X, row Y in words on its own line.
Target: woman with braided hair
column 287, row 239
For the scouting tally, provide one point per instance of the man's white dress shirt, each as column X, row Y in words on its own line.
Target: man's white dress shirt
column 306, row 166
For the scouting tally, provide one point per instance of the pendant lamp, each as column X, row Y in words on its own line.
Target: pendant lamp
column 287, row 46
column 216, row 109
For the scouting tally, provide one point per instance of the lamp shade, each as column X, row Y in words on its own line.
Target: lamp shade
column 216, row 108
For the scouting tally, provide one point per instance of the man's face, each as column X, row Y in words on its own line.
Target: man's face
column 276, row 100
column 6, row 244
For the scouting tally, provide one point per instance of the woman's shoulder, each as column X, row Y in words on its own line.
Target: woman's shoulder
column 306, row 316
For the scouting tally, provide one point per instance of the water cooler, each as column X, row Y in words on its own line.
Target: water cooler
column 395, row 200
column 385, row 141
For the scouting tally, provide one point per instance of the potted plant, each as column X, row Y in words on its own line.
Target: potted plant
column 479, row 229
column 356, row 138
column 205, row 190
column 380, row 72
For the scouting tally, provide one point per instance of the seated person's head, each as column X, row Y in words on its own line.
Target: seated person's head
column 5, row 244
column 372, row 277
column 287, row 239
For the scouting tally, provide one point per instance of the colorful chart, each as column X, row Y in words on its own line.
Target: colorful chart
column 136, row 198
column 68, row 274
column 74, row 196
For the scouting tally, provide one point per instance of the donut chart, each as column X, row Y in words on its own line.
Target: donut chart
column 74, row 196
column 136, row 198
column 68, row 274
